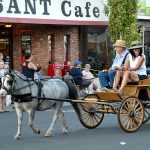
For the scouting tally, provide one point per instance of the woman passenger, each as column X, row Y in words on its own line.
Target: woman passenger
column 28, row 66
column 134, row 68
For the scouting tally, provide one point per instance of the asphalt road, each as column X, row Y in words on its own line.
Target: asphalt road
column 108, row 136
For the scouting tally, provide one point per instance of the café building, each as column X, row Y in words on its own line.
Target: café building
column 55, row 31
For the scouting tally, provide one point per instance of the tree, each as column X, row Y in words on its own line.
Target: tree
column 122, row 16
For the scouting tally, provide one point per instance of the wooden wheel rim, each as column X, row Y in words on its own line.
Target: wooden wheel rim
column 90, row 117
column 146, row 115
column 131, row 114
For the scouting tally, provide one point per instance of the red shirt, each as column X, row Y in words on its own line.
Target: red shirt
column 23, row 59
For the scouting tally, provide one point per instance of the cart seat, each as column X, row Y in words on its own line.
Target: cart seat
column 138, row 89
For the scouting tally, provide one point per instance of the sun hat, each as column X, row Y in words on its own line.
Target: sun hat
column 77, row 62
column 135, row 45
column 120, row 43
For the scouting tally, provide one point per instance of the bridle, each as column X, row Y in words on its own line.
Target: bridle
column 12, row 79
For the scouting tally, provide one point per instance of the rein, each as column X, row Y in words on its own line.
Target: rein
column 12, row 90
column 29, row 85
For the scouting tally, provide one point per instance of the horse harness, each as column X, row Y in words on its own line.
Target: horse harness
column 24, row 97
column 28, row 96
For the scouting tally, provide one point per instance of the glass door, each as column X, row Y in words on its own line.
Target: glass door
column 6, row 43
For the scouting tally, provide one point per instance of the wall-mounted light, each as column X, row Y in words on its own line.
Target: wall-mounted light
column 8, row 25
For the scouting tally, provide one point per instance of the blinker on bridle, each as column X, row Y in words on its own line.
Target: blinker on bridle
column 10, row 83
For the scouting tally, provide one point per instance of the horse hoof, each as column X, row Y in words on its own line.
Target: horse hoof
column 48, row 134
column 16, row 137
column 38, row 132
column 64, row 131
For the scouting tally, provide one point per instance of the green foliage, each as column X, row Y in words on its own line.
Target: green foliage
column 122, row 20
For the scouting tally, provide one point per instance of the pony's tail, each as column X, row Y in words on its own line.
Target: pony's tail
column 73, row 94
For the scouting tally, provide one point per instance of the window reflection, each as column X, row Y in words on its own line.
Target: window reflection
column 26, row 42
column 51, row 48
column 147, row 46
column 66, row 47
column 99, row 48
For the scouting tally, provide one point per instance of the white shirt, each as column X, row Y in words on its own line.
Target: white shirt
column 119, row 59
column 87, row 74
column 134, row 61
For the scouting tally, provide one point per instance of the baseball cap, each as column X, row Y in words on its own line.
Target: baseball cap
column 77, row 62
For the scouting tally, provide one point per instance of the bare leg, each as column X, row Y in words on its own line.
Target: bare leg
column 128, row 75
column 117, row 78
column 1, row 103
column 90, row 88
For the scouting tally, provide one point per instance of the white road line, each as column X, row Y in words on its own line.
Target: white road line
column 69, row 110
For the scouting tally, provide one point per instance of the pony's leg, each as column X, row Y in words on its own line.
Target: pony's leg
column 31, row 114
column 55, row 117
column 20, row 117
column 65, row 127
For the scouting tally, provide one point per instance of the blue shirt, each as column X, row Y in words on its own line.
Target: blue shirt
column 119, row 59
column 39, row 75
column 77, row 75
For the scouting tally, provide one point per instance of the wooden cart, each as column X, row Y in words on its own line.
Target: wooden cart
column 132, row 108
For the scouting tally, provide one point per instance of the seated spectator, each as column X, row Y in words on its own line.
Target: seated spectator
column 38, row 75
column 106, row 77
column 28, row 66
column 134, row 68
column 77, row 75
column 88, row 75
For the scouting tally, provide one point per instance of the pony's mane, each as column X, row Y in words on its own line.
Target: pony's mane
column 19, row 74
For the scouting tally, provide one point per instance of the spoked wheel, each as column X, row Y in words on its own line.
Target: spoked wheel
column 146, row 114
column 131, row 114
column 90, row 117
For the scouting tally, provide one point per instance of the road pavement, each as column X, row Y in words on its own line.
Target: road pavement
column 108, row 136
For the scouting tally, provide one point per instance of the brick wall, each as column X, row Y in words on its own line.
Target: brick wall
column 39, row 40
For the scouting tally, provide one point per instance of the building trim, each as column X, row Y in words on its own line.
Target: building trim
column 52, row 21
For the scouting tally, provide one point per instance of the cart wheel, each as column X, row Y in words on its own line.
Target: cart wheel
column 146, row 115
column 90, row 115
column 131, row 114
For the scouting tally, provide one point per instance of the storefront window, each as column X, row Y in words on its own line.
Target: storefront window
column 99, row 48
column 66, row 47
column 51, row 48
column 147, row 46
column 26, row 42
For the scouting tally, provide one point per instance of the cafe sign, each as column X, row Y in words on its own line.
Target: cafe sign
column 53, row 11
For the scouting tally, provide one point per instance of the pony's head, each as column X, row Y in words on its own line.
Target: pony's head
column 7, row 84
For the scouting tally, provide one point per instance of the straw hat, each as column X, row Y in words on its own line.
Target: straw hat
column 120, row 43
column 135, row 45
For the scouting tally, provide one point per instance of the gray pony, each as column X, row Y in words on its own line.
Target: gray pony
column 25, row 92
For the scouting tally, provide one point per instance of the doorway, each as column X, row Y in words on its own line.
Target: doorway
column 6, row 43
